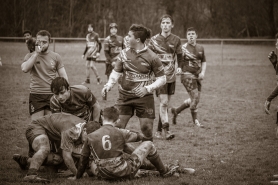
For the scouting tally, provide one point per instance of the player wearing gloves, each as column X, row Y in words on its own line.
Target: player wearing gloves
column 92, row 50
column 113, row 45
column 137, row 64
column 106, row 145
column 192, row 70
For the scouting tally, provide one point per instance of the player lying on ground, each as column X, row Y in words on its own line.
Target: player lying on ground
column 65, row 129
column 77, row 100
column 192, row 70
column 106, row 146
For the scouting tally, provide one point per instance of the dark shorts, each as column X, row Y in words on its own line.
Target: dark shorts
column 38, row 102
column 91, row 59
column 144, row 106
column 168, row 88
column 33, row 131
column 108, row 69
column 190, row 83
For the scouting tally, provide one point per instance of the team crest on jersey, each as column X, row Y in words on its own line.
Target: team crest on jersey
column 149, row 110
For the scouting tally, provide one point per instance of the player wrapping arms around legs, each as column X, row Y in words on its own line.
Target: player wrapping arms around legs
column 92, row 50
column 192, row 71
column 273, row 59
column 167, row 46
column 106, row 146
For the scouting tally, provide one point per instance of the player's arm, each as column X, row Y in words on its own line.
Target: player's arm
column 69, row 161
column 204, row 66
column 29, row 62
column 273, row 95
column 107, row 50
column 60, row 67
column 273, row 59
column 93, row 105
column 54, row 105
column 84, row 160
column 131, row 136
column 62, row 73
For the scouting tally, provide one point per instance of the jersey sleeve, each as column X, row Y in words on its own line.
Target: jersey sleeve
column 151, row 45
column 178, row 49
column 59, row 63
column 204, row 56
column 119, row 61
column 90, row 98
column 86, row 149
column 130, row 136
column 157, row 67
column 67, row 140
column 54, row 105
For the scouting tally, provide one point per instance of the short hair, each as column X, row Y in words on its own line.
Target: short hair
column 191, row 29
column 90, row 25
column 27, row 31
column 113, row 25
column 57, row 85
column 111, row 114
column 140, row 31
column 91, row 126
column 31, row 44
column 44, row 33
column 166, row 16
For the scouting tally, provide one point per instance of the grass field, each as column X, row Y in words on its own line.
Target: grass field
column 237, row 145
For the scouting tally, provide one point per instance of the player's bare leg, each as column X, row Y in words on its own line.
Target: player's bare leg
column 42, row 148
column 147, row 150
column 93, row 67
column 164, row 101
column 195, row 97
column 87, row 81
column 123, row 120
column 146, row 125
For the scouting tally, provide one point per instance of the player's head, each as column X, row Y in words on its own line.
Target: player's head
column 31, row 42
column 191, row 35
column 110, row 114
column 90, row 28
column 138, row 34
column 166, row 23
column 43, row 39
column 91, row 126
column 27, row 34
column 113, row 27
column 60, row 88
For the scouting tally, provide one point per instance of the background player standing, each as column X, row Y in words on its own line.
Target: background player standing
column 167, row 46
column 27, row 35
column 192, row 71
column 43, row 66
column 92, row 50
column 113, row 45
column 137, row 64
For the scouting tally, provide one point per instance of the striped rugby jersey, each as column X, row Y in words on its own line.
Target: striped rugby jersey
column 166, row 49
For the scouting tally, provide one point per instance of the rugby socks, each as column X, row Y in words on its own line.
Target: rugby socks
column 194, row 115
column 32, row 171
column 182, row 107
column 157, row 162
column 159, row 124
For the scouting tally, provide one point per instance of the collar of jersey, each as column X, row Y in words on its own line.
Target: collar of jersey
column 142, row 50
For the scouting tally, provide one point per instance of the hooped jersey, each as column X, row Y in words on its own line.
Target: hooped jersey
column 62, row 127
column 193, row 57
column 137, row 69
column 166, row 49
column 80, row 102
column 92, row 45
column 113, row 45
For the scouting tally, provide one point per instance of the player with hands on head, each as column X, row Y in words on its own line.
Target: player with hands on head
column 44, row 65
column 106, row 146
column 192, row 70
column 91, row 52
column 137, row 64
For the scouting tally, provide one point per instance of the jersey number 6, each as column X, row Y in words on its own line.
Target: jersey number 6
column 106, row 143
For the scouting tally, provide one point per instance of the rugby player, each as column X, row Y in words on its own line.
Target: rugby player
column 27, row 35
column 106, row 146
column 77, row 100
column 167, row 46
column 43, row 65
column 137, row 64
column 192, row 70
column 65, row 129
column 273, row 59
column 92, row 50
column 113, row 45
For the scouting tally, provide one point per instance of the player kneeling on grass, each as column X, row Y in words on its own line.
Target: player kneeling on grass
column 106, row 146
column 68, row 130
column 273, row 59
column 77, row 100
